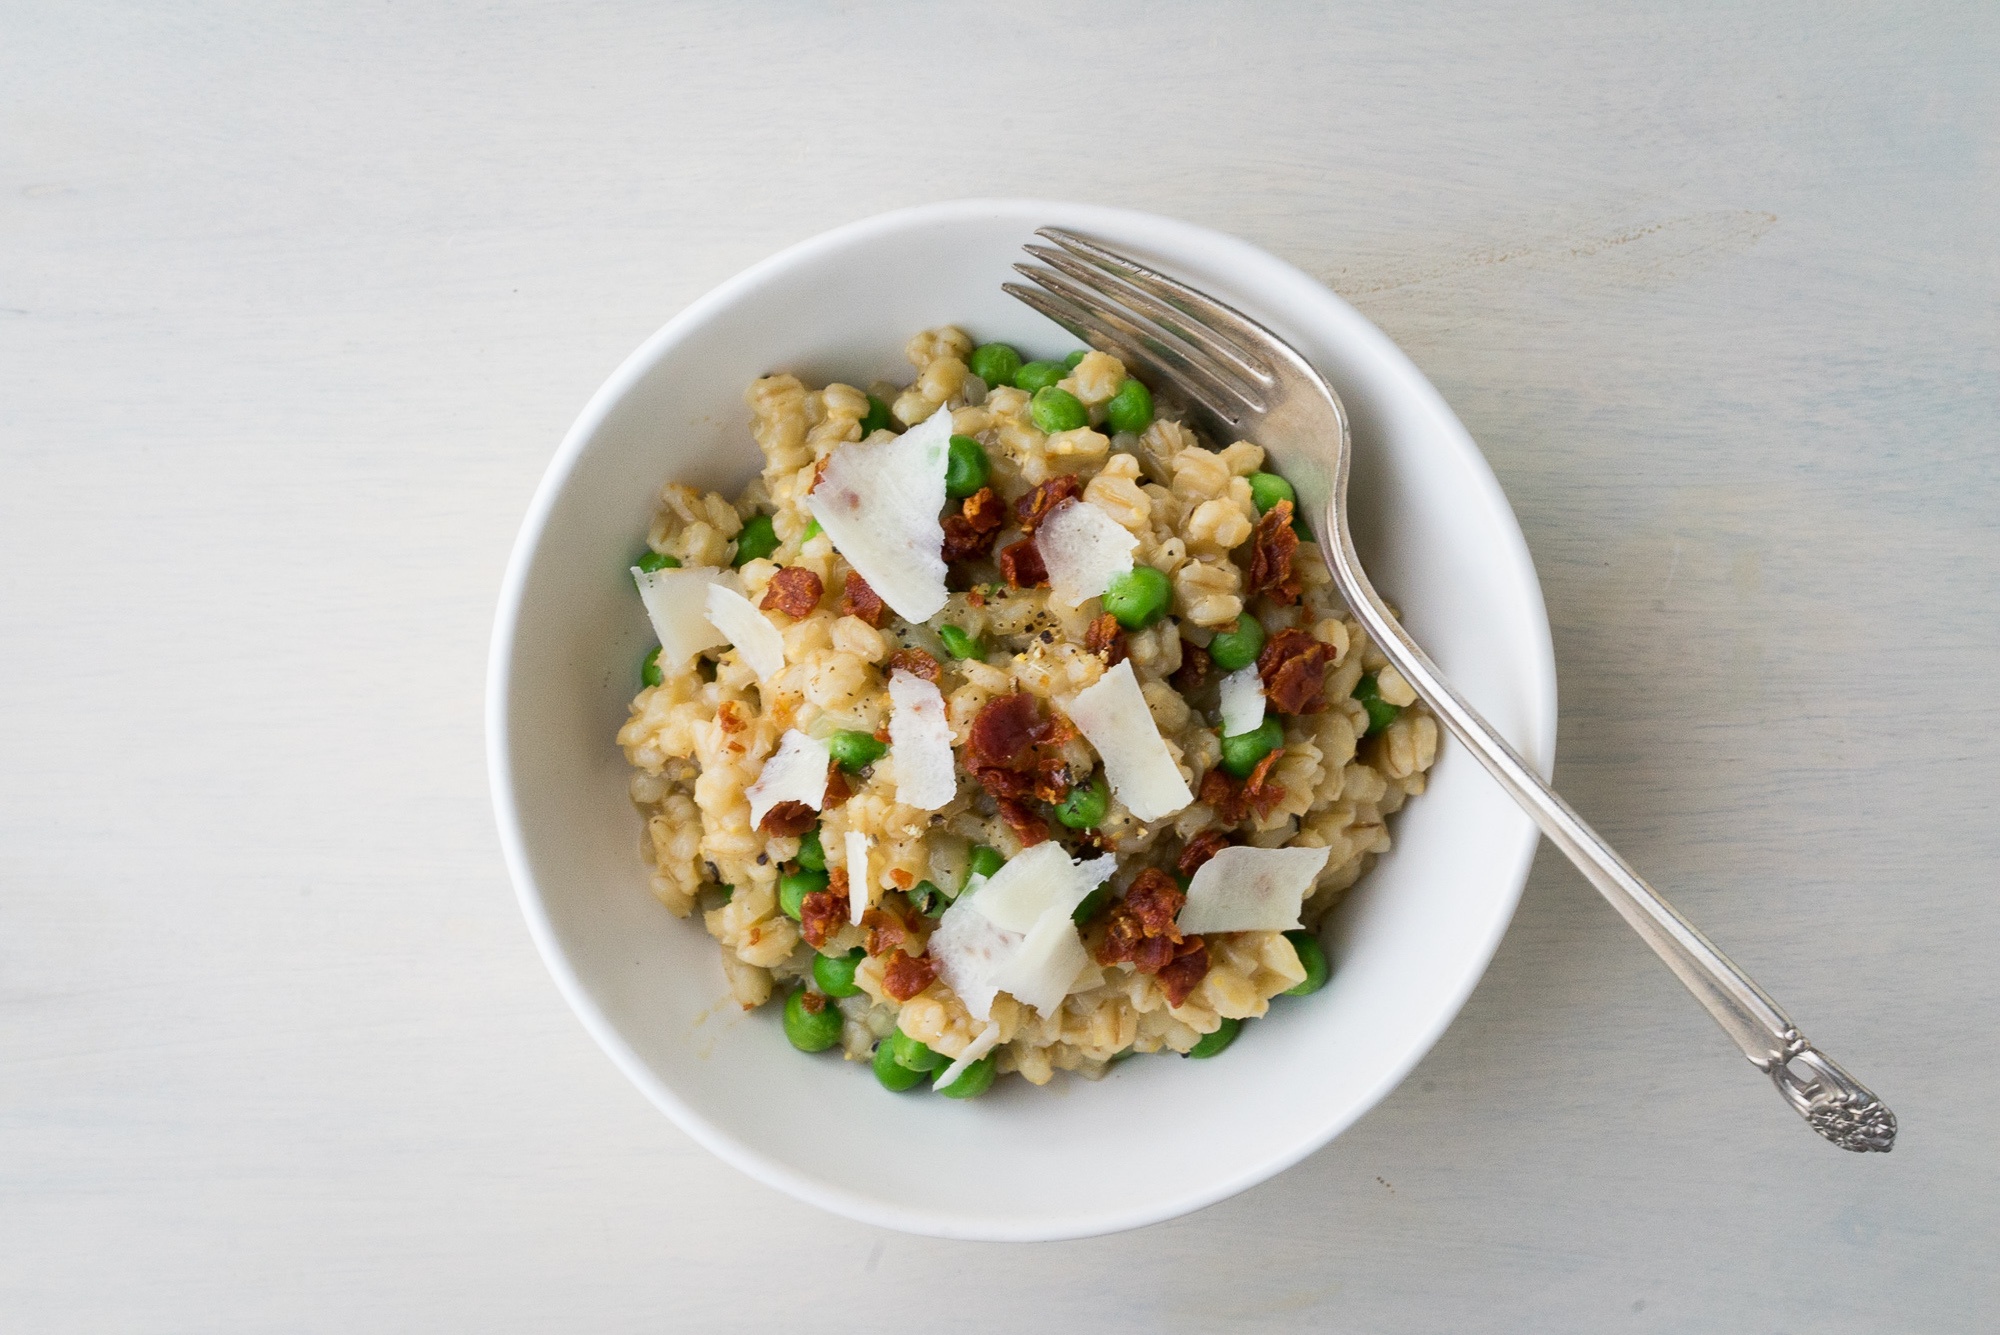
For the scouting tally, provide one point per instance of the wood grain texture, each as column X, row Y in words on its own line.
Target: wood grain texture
column 296, row 301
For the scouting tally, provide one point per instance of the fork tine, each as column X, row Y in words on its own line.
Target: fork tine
column 1240, row 362
column 1109, row 329
column 1198, row 306
column 1189, row 364
column 1092, row 329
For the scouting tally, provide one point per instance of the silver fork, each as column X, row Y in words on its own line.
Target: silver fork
column 1241, row 381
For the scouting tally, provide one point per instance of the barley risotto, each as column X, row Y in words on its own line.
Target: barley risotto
column 1003, row 725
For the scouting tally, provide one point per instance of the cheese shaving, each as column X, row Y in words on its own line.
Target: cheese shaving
column 920, row 743
column 879, row 503
column 1047, row 961
column 1245, row 889
column 860, row 885
column 676, row 604
column 970, row 950
column 1091, row 975
column 1113, row 715
column 986, row 1040
column 1037, row 881
column 762, row 647
column 1084, row 549
column 795, row 772
column 1242, row 701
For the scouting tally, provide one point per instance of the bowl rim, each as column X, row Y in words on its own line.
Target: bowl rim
column 1233, row 253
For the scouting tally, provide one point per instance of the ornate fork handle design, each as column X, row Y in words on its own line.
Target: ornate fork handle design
column 1833, row 1102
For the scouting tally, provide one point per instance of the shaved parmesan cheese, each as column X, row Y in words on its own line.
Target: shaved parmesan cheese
column 1047, row 961
column 1083, row 549
column 795, row 772
column 920, row 743
column 1242, row 701
column 970, row 951
column 676, row 604
column 860, row 885
column 987, row 1040
column 1243, row 889
column 879, row 503
column 1038, row 881
column 1091, row 975
column 1013, row 933
column 1113, row 715
column 748, row 629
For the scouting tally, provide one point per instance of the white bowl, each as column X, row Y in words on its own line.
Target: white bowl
column 1158, row 1136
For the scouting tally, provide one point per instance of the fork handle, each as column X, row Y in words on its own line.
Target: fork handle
column 1835, row 1104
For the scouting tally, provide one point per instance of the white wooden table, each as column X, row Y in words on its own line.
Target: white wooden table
column 295, row 302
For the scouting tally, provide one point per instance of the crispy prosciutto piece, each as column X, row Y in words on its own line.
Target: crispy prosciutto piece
column 1272, row 548
column 1293, row 666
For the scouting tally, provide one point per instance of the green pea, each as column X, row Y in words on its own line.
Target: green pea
column 793, row 887
column 1267, row 489
column 926, row 898
column 1139, row 597
column 1055, row 409
column 813, row 530
column 891, row 1074
column 758, row 539
column 959, row 644
column 1092, row 905
column 995, row 363
column 985, row 862
column 1238, row 646
column 1312, row 957
column 1211, row 1044
column 835, row 973
column 728, row 891
column 855, row 750
column 1037, row 376
column 1085, row 805
column 965, row 467
column 1380, row 712
column 649, row 671
column 811, row 1031
column 1241, row 753
column 1075, row 359
column 653, row 560
column 876, row 418
column 1131, row 408
column 812, row 854
column 908, row 1053
column 973, row 1081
